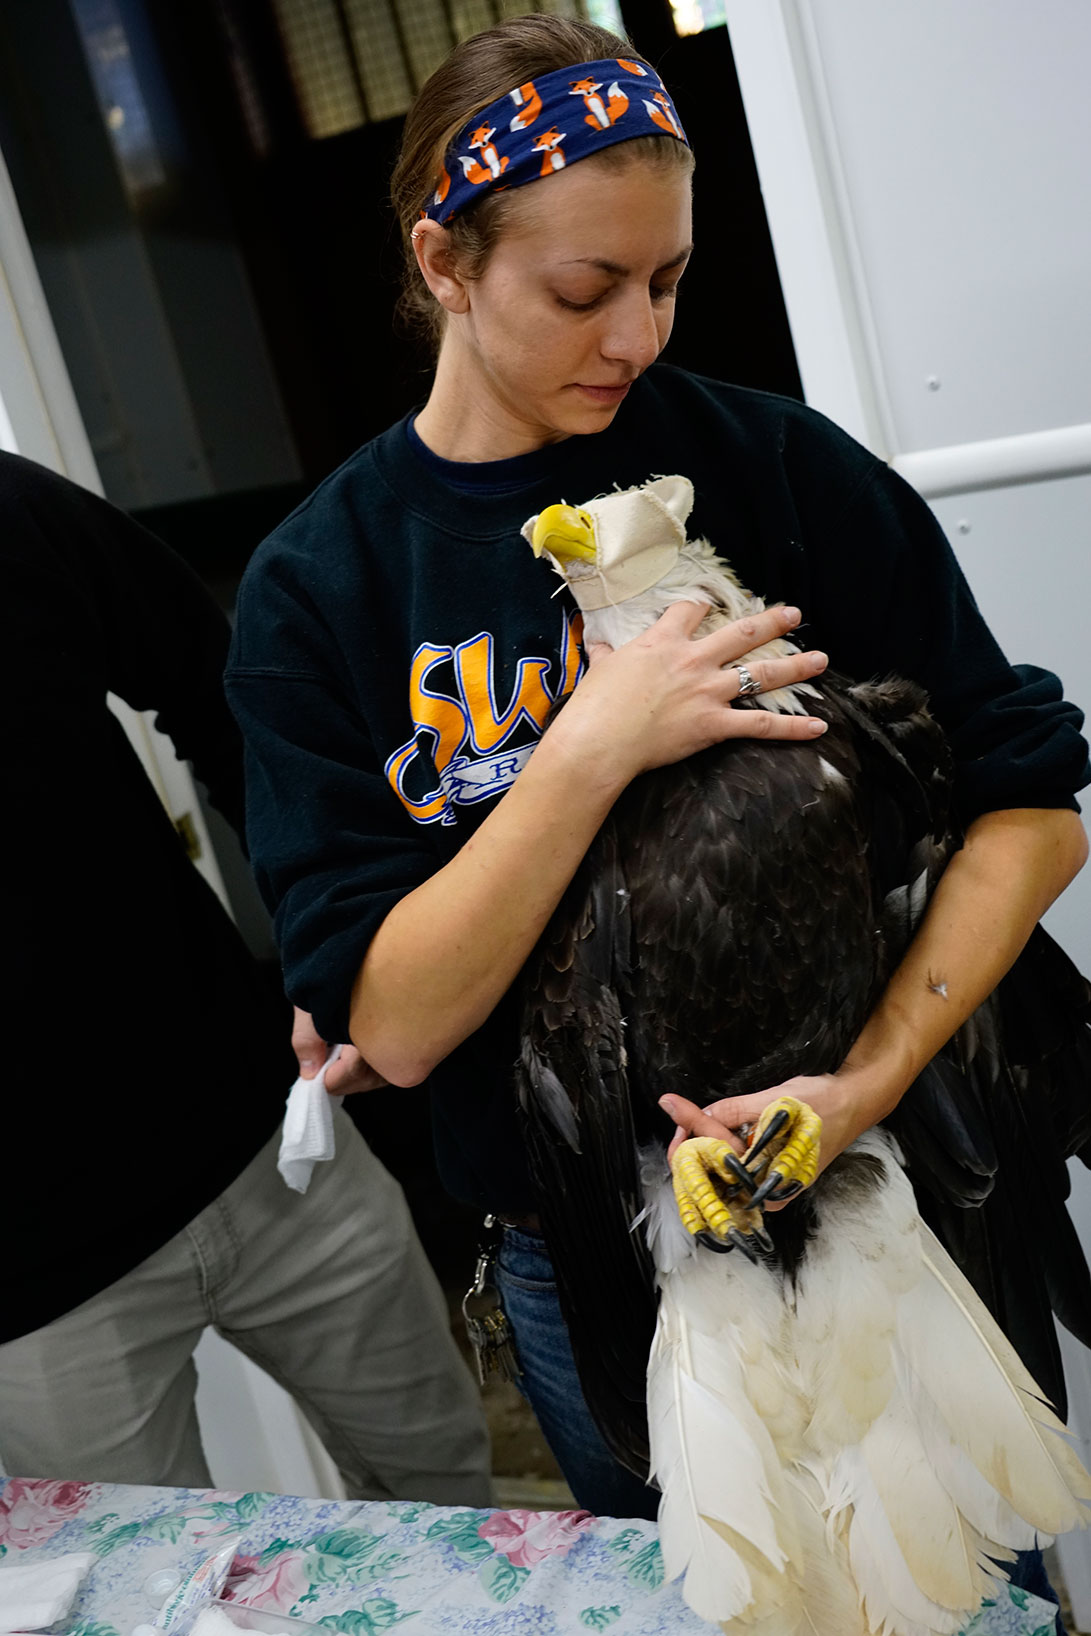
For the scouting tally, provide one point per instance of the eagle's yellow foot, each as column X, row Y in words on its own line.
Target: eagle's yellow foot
column 784, row 1150
column 712, row 1190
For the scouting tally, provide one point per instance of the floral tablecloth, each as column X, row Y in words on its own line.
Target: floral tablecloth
column 362, row 1569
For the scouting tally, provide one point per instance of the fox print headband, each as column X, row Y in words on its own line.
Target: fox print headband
column 551, row 122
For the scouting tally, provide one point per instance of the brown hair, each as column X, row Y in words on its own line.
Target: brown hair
column 479, row 71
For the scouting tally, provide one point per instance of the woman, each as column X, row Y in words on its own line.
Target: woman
column 412, row 848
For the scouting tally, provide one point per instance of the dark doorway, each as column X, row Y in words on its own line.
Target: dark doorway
column 220, row 257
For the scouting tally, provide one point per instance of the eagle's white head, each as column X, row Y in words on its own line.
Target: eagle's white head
column 617, row 546
column 625, row 558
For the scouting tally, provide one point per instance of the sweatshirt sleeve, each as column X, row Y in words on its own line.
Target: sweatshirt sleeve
column 332, row 849
column 149, row 629
column 893, row 600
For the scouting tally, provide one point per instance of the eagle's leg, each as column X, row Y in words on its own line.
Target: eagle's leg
column 712, row 1190
column 783, row 1154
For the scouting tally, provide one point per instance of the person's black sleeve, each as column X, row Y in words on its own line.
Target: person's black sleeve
column 332, row 849
column 147, row 628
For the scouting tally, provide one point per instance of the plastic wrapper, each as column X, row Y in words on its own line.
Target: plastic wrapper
column 198, row 1589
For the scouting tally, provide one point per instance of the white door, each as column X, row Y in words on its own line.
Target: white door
column 925, row 173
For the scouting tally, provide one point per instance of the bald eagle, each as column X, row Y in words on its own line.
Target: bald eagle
column 844, row 1439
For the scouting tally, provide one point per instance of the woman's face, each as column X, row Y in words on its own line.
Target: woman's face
column 575, row 301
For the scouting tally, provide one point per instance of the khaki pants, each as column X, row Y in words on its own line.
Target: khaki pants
column 328, row 1291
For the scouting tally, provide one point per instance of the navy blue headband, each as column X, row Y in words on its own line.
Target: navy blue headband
column 548, row 123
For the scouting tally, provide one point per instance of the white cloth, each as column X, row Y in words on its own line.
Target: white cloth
column 37, row 1593
column 308, row 1134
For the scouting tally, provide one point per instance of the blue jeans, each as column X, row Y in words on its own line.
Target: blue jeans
column 550, row 1384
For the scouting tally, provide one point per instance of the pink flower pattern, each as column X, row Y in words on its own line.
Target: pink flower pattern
column 528, row 1537
column 277, row 1584
column 32, row 1510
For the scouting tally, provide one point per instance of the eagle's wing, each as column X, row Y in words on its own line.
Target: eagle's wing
column 986, row 1128
column 1020, row 1069
column 582, row 1141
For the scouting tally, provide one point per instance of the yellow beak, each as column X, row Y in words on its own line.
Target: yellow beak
column 566, row 532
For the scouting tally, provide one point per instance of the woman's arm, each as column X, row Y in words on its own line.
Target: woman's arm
column 989, row 899
column 448, row 951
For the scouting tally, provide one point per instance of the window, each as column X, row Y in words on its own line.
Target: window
column 695, row 16
column 109, row 54
column 355, row 61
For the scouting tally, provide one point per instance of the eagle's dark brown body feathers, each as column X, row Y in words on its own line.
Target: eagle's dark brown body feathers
column 732, row 926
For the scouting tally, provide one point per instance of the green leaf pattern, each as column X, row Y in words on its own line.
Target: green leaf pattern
column 599, row 1618
column 624, row 1541
column 460, row 1532
column 502, row 1579
column 249, row 1506
column 170, row 1527
column 118, row 1536
column 646, row 1566
column 376, row 1615
column 370, row 1556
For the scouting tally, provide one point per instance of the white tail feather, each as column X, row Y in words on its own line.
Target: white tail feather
column 891, row 1597
column 712, row 1456
column 849, row 1458
column 990, row 1403
column 940, row 1547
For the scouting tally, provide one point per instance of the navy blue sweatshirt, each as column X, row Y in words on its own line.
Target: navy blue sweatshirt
column 398, row 645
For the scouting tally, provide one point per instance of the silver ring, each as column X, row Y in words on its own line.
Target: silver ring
column 747, row 684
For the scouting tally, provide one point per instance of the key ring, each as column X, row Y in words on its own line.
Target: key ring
column 487, row 1325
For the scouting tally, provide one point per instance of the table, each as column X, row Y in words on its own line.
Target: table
column 363, row 1569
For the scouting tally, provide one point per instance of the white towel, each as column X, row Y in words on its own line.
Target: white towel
column 37, row 1593
column 308, row 1127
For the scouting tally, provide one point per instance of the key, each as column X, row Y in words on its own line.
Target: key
column 487, row 1323
column 490, row 1334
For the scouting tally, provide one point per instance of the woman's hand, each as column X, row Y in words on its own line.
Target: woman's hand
column 666, row 694
column 348, row 1074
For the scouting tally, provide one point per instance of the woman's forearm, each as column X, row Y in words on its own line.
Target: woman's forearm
column 447, row 953
column 988, row 901
column 990, row 897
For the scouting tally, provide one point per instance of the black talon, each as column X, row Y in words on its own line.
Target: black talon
column 742, row 1241
column 777, row 1123
column 733, row 1163
column 711, row 1242
column 783, row 1194
column 768, row 1189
